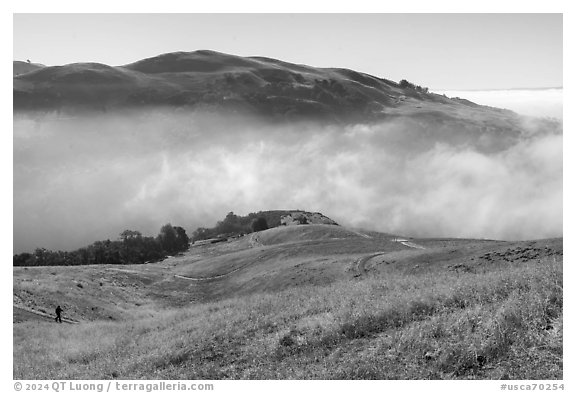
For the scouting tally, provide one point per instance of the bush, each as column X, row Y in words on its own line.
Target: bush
column 409, row 85
column 259, row 224
column 405, row 84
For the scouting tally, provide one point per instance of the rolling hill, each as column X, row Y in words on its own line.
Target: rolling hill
column 302, row 301
column 269, row 88
column 270, row 260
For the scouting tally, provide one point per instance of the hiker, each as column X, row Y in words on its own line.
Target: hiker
column 58, row 312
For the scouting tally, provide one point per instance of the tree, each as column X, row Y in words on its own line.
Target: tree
column 23, row 259
column 40, row 255
column 404, row 84
column 131, row 247
column 168, row 238
column 129, row 235
column 302, row 220
column 229, row 225
column 182, row 239
column 259, row 224
column 202, row 234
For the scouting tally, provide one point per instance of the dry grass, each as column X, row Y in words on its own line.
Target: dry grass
column 503, row 323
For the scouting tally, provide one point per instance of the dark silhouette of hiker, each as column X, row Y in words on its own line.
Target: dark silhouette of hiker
column 58, row 312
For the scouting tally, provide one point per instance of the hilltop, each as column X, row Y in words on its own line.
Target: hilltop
column 234, row 226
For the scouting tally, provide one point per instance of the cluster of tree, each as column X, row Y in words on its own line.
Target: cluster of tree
column 130, row 248
column 405, row 84
column 234, row 225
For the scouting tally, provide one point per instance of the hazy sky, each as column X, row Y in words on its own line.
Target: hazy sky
column 441, row 51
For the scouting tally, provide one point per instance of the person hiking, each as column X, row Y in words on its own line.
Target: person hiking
column 58, row 312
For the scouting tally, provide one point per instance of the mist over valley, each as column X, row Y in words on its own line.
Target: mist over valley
column 423, row 165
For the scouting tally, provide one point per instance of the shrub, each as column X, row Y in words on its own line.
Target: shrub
column 259, row 224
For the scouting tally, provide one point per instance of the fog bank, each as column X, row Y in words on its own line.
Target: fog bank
column 81, row 180
column 529, row 102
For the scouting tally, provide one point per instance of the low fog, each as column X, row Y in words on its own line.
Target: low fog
column 538, row 103
column 78, row 180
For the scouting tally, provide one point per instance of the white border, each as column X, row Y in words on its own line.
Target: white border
column 420, row 6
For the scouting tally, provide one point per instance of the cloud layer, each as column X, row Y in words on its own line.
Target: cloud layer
column 77, row 181
column 538, row 103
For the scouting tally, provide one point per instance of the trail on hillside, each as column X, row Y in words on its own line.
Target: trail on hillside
column 122, row 270
column 44, row 315
column 211, row 277
column 358, row 266
column 410, row 244
column 364, row 235
column 254, row 241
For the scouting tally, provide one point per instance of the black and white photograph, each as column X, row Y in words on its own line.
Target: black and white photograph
column 287, row 196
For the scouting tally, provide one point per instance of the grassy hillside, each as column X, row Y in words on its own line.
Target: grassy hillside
column 301, row 302
column 501, row 324
column 267, row 88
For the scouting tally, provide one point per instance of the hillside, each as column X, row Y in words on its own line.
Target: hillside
column 270, row 260
column 302, row 301
column 260, row 86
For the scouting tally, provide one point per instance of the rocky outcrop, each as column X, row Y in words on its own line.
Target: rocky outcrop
column 302, row 218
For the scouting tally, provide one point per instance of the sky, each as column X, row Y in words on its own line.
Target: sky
column 440, row 51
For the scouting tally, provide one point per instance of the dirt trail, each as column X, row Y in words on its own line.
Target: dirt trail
column 123, row 270
column 358, row 266
column 211, row 277
column 364, row 235
column 254, row 241
column 24, row 310
column 410, row 244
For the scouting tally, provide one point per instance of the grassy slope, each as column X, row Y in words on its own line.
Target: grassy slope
column 459, row 309
column 254, row 85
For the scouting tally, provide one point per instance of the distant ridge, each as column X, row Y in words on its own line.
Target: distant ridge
column 258, row 86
